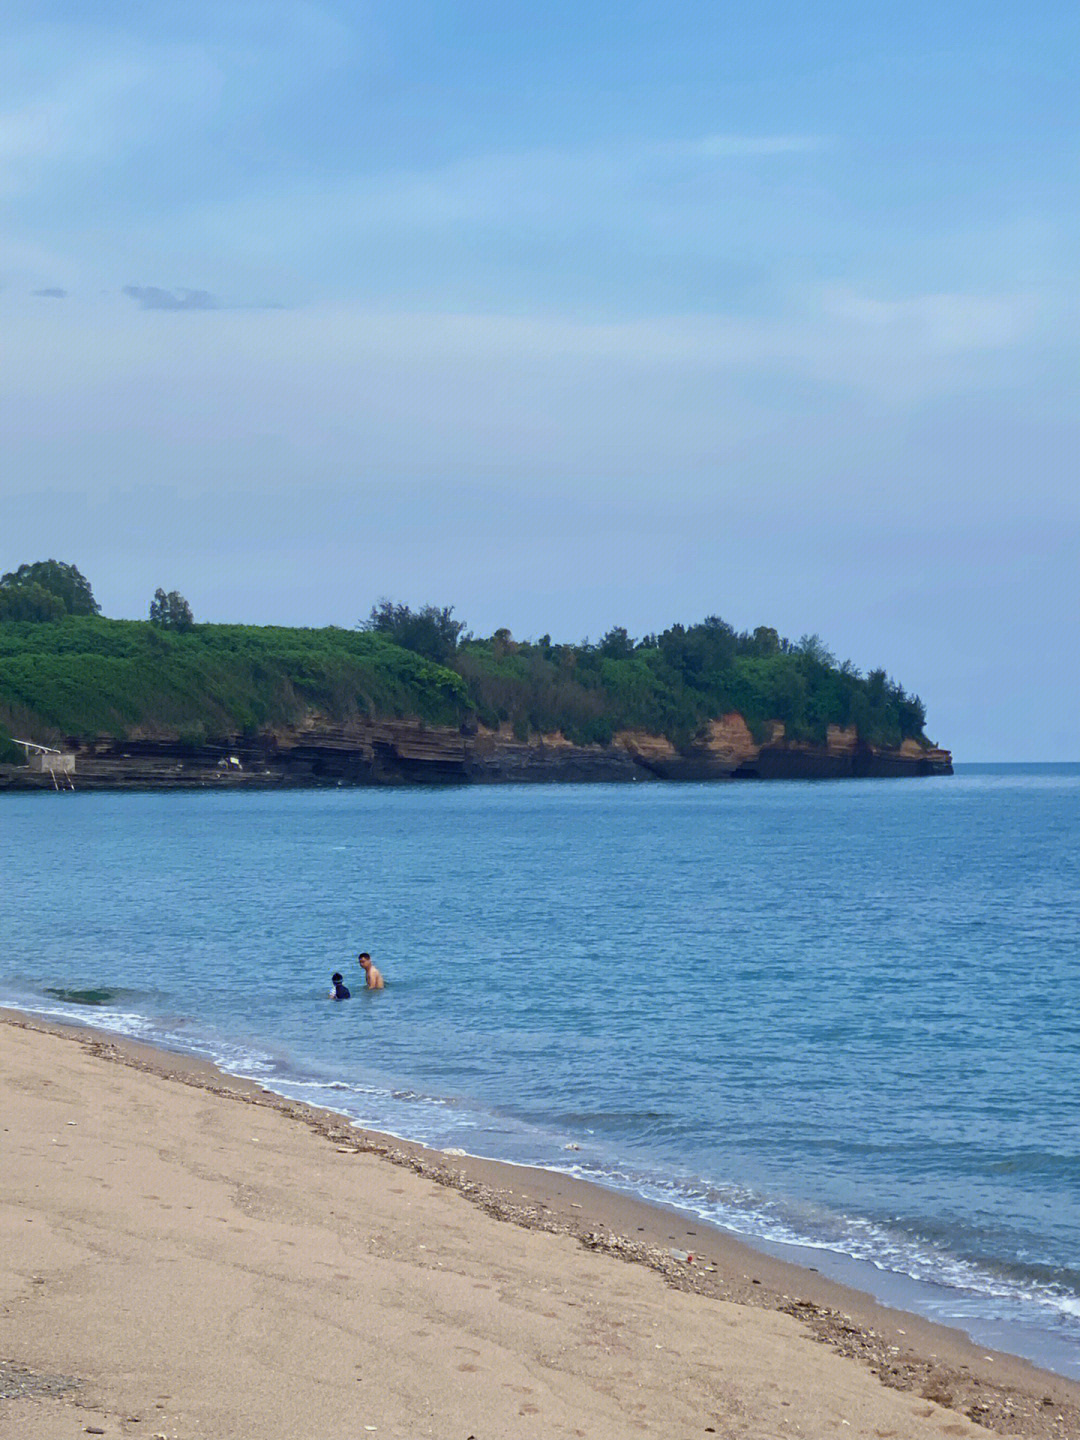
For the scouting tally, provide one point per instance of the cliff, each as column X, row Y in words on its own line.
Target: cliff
column 147, row 705
column 401, row 752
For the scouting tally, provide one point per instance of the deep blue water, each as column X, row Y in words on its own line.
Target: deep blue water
column 843, row 1014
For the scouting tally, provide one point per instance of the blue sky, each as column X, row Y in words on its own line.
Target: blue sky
column 566, row 315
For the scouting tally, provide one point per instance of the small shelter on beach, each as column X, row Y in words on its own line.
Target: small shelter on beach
column 45, row 760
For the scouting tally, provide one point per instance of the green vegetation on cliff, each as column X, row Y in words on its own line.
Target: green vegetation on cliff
column 674, row 683
column 65, row 671
column 89, row 676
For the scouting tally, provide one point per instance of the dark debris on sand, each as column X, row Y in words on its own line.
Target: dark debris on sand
column 17, row 1382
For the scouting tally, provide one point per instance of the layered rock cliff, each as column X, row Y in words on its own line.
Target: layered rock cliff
column 401, row 752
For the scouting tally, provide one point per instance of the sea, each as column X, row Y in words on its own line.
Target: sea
column 840, row 1019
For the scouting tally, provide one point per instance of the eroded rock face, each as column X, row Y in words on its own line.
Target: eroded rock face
column 402, row 752
column 730, row 751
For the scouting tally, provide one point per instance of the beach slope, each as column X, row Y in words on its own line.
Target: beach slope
column 178, row 1261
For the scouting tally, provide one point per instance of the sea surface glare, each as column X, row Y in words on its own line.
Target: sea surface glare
column 840, row 1015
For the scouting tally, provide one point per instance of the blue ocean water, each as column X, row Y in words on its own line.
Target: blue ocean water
column 840, row 1015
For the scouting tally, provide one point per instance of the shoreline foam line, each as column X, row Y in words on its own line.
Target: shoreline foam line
column 959, row 1296
column 905, row 1352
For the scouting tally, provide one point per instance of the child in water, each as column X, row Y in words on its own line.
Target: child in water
column 340, row 991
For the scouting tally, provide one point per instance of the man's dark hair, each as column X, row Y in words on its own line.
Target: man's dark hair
column 336, row 978
column 363, row 955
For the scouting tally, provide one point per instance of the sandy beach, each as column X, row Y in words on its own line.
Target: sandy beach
column 185, row 1255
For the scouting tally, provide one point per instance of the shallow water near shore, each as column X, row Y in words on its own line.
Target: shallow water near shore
column 839, row 1015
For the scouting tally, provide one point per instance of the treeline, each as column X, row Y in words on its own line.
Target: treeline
column 65, row 671
column 671, row 683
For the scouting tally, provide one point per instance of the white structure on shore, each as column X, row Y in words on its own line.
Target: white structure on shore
column 48, row 761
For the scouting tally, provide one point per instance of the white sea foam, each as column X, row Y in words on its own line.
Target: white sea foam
column 962, row 1291
column 118, row 1022
column 957, row 1289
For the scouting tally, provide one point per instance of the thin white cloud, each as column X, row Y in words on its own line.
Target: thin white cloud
column 94, row 106
column 341, row 390
column 836, row 335
column 82, row 93
column 552, row 195
column 64, row 121
column 939, row 324
column 733, row 147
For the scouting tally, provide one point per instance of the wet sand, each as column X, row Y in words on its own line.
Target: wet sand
column 184, row 1254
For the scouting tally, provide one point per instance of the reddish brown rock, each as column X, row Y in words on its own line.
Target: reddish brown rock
column 402, row 752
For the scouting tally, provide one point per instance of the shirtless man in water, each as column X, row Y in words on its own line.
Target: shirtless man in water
column 375, row 980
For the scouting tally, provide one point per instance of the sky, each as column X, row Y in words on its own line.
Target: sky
column 566, row 315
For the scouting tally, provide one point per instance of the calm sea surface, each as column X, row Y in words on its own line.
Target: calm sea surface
column 842, row 1015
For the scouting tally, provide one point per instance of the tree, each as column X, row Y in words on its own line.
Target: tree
column 503, row 643
column 63, row 582
column 815, row 650
column 911, row 713
column 616, row 644
column 171, row 611
column 876, row 685
column 764, row 642
column 700, row 654
column 29, row 602
column 429, row 631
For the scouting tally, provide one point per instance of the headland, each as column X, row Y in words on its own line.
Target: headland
column 87, row 702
